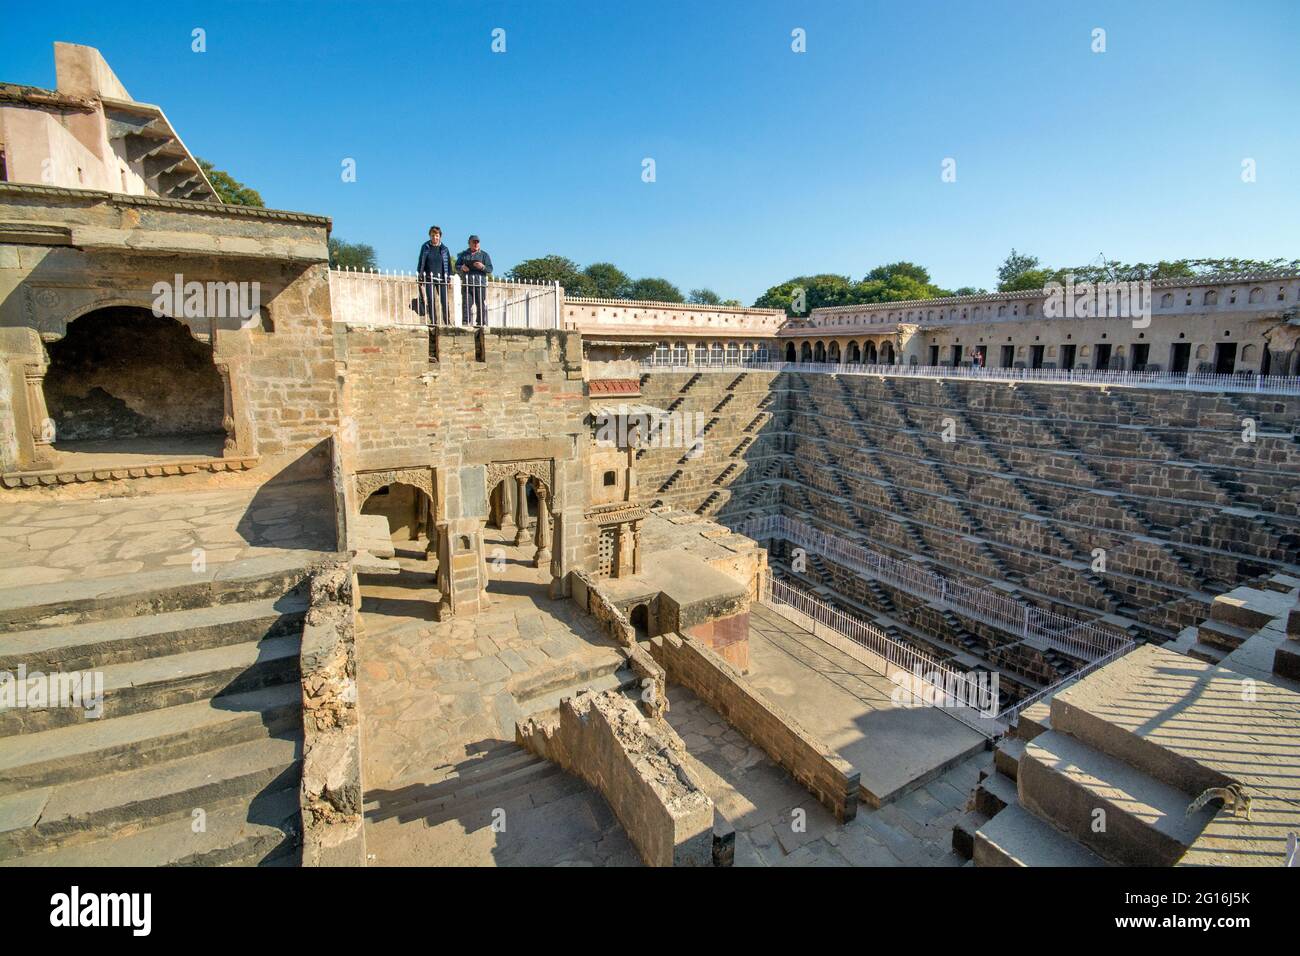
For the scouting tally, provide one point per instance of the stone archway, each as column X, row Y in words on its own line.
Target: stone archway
column 405, row 499
column 534, row 482
column 123, row 380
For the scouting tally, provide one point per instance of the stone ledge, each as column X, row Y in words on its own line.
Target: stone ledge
column 55, row 476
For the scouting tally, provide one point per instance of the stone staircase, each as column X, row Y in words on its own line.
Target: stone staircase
column 197, row 755
column 1105, row 772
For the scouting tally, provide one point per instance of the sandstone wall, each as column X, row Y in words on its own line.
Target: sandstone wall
column 826, row 775
column 635, row 764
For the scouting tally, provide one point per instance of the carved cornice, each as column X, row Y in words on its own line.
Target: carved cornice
column 371, row 481
column 539, row 468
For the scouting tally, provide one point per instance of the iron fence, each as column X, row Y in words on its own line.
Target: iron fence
column 1080, row 639
column 1183, row 381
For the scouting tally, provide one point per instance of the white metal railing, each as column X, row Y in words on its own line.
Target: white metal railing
column 1013, row 711
column 807, row 611
column 1183, row 381
column 400, row 299
column 1080, row 639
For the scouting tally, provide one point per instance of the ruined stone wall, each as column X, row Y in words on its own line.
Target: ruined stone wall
column 636, row 764
column 827, row 776
column 333, row 834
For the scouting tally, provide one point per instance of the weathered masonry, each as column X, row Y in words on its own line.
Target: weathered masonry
column 355, row 584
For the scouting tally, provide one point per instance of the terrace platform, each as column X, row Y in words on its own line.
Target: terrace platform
column 849, row 706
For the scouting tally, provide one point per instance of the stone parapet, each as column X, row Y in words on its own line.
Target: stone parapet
column 636, row 765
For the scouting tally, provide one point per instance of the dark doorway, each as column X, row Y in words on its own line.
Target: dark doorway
column 1102, row 356
column 956, row 356
column 789, row 352
column 1008, row 356
column 640, row 619
column 1225, row 358
column 1036, row 356
column 1141, row 355
column 981, row 356
column 1180, row 353
column 125, row 373
column 1067, row 356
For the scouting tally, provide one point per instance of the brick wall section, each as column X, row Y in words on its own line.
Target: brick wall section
column 635, row 764
column 452, row 398
column 827, row 776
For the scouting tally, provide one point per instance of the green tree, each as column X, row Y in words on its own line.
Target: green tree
column 608, row 281
column 704, row 297
column 1014, row 268
column 908, row 270
column 553, row 268
column 816, row 291
column 351, row 255
column 230, row 189
column 654, row 290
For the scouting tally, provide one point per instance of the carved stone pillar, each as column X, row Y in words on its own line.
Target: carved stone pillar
column 521, row 509
column 446, row 608
column 39, row 421
column 619, row 565
column 542, row 537
column 636, row 547
column 507, row 506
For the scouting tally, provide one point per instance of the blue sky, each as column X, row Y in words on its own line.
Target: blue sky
column 769, row 163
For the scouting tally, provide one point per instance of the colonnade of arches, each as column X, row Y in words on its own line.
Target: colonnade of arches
column 866, row 352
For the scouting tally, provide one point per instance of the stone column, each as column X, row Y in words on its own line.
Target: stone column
column 446, row 607
column 507, row 504
column 521, row 509
column 42, row 427
column 542, row 537
column 636, row 547
column 618, row 568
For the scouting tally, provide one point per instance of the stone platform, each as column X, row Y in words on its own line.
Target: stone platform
column 44, row 542
column 849, row 707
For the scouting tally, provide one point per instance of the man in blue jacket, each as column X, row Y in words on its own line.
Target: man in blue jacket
column 435, row 271
column 474, row 266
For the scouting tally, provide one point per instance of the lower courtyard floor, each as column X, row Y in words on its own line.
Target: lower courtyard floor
column 445, row 784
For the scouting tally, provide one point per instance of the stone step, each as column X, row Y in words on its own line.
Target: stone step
column 1015, row 837
column 101, row 643
column 963, row 833
column 153, row 592
column 1145, row 823
column 160, row 682
column 265, row 832
column 993, row 794
column 83, row 811
column 1222, row 634
column 96, row 747
column 623, row 679
column 1007, row 754
column 1034, row 720
column 456, row 789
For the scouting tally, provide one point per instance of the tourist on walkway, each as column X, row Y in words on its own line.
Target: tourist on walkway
column 474, row 266
column 435, row 271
